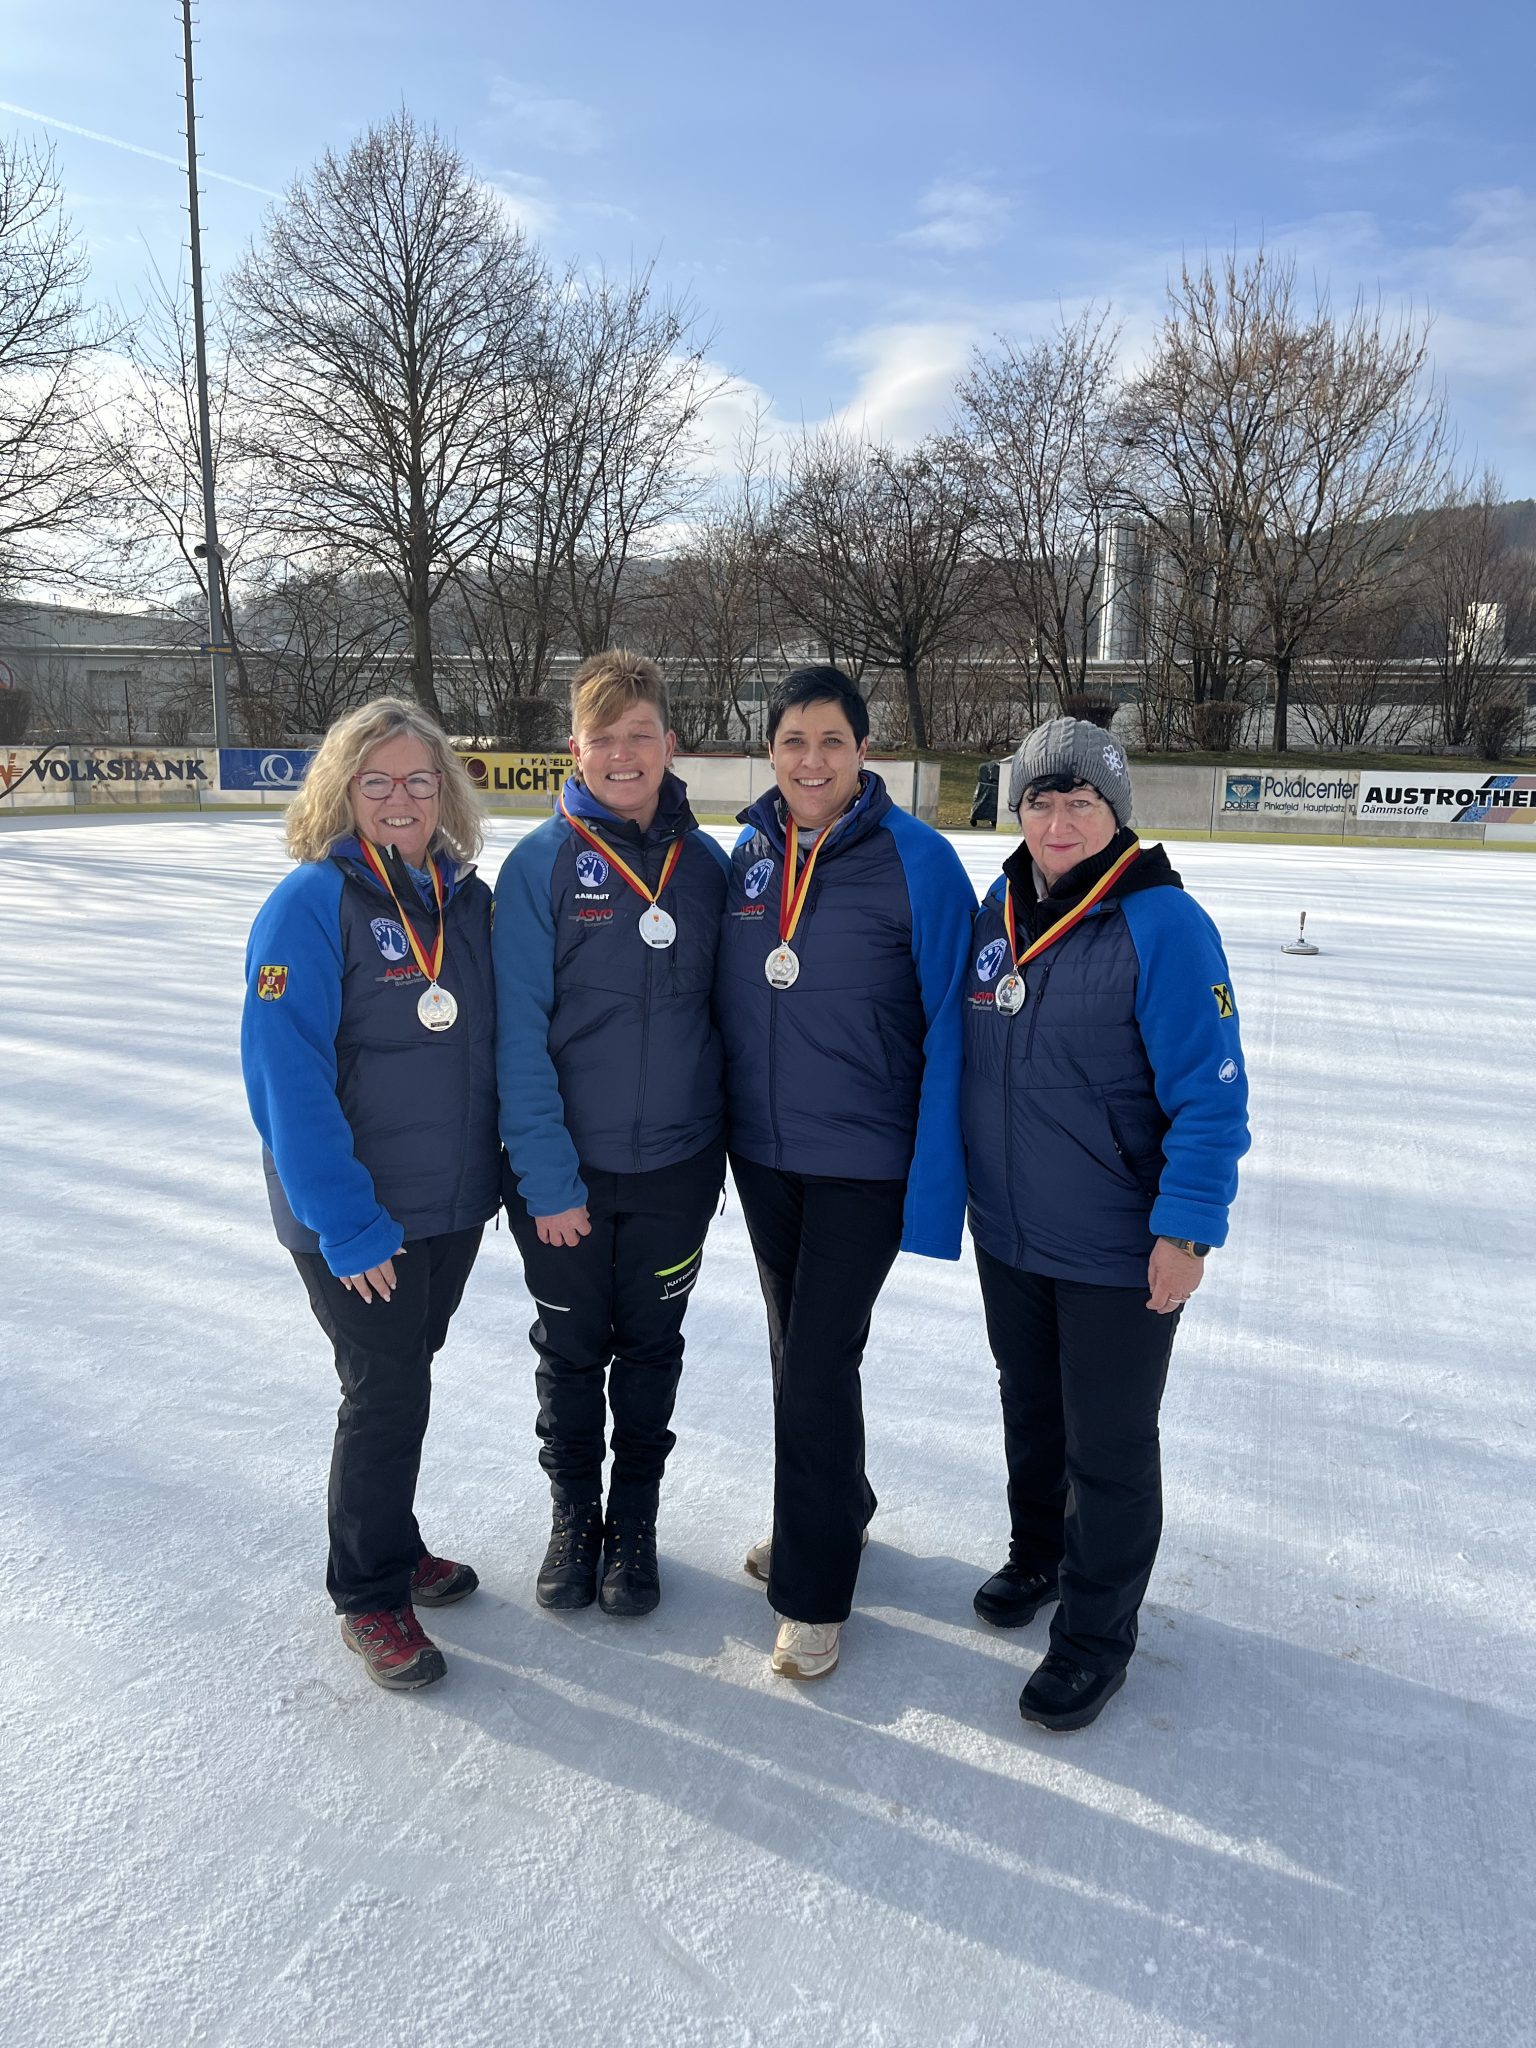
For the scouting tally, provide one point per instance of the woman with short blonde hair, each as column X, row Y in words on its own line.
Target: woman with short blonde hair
column 368, row 1044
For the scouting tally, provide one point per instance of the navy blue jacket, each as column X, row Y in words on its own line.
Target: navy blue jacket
column 854, row 1072
column 607, row 1053
column 375, row 1130
column 1112, row 1108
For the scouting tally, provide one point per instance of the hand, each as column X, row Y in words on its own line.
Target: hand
column 380, row 1279
column 569, row 1227
column 1172, row 1276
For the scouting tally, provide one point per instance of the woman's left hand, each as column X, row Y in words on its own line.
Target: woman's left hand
column 1172, row 1276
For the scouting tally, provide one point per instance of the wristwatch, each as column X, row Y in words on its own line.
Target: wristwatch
column 1187, row 1244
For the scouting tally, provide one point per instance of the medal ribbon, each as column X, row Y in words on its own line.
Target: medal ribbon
column 793, row 893
column 599, row 845
column 382, row 872
column 1075, row 916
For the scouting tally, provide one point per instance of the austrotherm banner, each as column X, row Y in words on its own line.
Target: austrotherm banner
column 1496, row 801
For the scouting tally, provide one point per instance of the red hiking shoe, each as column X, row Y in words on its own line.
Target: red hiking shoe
column 396, row 1651
column 438, row 1581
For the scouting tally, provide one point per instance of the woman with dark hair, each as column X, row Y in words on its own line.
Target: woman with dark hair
column 841, row 964
column 368, row 1044
column 1105, row 1112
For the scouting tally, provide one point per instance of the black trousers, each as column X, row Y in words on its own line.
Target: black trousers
column 823, row 1250
column 1082, row 1371
column 384, row 1352
column 613, row 1306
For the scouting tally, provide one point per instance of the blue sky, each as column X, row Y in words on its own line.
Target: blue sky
column 853, row 194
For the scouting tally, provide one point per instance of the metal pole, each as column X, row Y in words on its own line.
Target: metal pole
column 210, row 525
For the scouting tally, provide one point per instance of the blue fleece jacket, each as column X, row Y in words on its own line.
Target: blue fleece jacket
column 607, row 1053
column 375, row 1130
column 854, row 1072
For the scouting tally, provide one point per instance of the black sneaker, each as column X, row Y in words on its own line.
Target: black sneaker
column 1014, row 1595
column 631, row 1579
column 568, row 1575
column 1062, row 1695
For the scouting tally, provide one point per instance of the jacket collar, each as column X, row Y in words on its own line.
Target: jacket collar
column 674, row 815
column 1152, row 870
column 861, row 818
column 348, row 854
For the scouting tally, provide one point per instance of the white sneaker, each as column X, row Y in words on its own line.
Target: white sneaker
column 759, row 1558
column 805, row 1649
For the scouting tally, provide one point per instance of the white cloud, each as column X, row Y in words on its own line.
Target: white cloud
column 907, row 373
column 956, row 215
column 526, row 201
column 537, row 120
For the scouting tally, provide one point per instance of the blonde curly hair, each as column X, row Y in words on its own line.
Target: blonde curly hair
column 321, row 813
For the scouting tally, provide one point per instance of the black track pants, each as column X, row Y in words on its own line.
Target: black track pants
column 1081, row 1371
column 384, row 1352
column 823, row 1250
column 612, row 1307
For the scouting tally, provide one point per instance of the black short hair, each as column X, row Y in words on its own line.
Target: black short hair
column 1061, row 785
column 819, row 683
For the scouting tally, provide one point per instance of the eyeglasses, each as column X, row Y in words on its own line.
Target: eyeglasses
column 421, row 784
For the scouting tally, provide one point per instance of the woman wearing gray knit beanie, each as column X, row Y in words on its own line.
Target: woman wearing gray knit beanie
column 1105, row 1111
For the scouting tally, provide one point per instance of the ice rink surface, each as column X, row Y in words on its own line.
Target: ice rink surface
column 1308, row 1819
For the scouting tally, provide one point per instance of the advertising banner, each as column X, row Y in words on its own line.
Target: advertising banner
column 275, row 770
column 1260, row 792
column 1476, row 798
column 535, row 775
column 77, row 775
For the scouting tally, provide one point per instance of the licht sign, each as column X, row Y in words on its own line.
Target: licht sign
column 540, row 775
column 1259, row 792
column 274, row 770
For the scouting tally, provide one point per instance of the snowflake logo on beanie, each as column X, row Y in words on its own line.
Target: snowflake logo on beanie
column 1114, row 760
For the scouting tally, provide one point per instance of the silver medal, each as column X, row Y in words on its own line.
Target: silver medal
column 436, row 1008
column 782, row 967
column 656, row 927
column 1010, row 994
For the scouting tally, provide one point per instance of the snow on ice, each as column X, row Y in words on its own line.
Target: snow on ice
column 1308, row 1819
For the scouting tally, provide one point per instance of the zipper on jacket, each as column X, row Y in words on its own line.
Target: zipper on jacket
column 645, row 1036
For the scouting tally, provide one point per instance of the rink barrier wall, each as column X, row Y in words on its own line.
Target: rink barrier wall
column 1400, row 806
column 89, row 777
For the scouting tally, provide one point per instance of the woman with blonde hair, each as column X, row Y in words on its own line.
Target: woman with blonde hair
column 368, row 1046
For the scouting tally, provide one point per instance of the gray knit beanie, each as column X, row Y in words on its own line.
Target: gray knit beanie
column 1075, row 747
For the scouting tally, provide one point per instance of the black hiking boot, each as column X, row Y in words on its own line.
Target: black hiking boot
column 1014, row 1595
column 568, row 1575
column 631, row 1579
column 1062, row 1695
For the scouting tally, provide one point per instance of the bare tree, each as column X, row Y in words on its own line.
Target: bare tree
column 151, row 443
column 1476, row 613
column 873, row 552
column 1350, row 692
column 318, row 643
column 1042, row 419
column 382, row 318
column 50, row 475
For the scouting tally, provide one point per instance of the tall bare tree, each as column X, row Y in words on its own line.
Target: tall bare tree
column 1476, row 614
column 382, row 317
column 873, row 551
column 50, row 473
column 1043, row 420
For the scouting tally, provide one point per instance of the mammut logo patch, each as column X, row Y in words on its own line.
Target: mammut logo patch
column 271, row 983
column 1223, row 995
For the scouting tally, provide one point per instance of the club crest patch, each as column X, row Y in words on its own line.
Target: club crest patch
column 389, row 938
column 591, row 869
column 271, row 983
column 757, row 878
